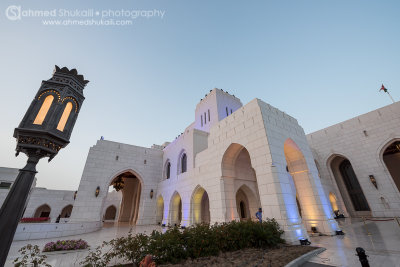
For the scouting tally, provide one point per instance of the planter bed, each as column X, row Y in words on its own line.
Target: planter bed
column 276, row 257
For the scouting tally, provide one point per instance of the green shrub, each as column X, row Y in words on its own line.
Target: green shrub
column 201, row 240
column 132, row 248
column 168, row 247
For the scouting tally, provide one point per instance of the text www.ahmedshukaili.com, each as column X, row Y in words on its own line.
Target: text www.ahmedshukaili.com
column 87, row 22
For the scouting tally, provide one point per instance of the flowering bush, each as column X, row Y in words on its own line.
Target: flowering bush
column 31, row 256
column 65, row 245
column 33, row 220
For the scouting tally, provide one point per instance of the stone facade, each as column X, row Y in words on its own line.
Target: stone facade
column 233, row 160
column 229, row 162
column 362, row 140
column 7, row 178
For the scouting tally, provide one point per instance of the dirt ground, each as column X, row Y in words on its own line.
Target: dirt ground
column 249, row 257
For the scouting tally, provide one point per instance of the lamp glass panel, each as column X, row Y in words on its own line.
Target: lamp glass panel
column 44, row 109
column 64, row 117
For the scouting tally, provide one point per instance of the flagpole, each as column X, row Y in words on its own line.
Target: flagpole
column 386, row 91
column 390, row 96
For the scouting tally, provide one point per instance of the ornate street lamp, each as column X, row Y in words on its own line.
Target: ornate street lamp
column 119, row 184
column 44, row 130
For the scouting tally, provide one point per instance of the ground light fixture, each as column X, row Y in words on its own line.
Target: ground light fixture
column 304, row 242
column 44, row 130
column 339, row 232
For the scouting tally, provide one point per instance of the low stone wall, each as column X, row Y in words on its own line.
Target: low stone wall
column 30, row 231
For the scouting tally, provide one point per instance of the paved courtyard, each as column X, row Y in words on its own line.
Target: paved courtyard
column 382, row 246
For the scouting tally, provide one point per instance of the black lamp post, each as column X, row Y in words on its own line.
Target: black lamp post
column 44, row 130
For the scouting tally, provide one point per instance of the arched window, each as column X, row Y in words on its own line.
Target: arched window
column 242, row 210
column 44, row 109
column 42, row 211
column 391, row 157
column 110, row 213
column 64, row 117
column 168, row 170
column 353, row 186
column 183, row 163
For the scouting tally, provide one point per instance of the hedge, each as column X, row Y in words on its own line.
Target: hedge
column 175, row 245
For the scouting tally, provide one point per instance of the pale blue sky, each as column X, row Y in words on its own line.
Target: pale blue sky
column 320, row 61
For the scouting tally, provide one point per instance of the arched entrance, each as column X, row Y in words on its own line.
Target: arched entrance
column 160, row 210
column 304, row 196
column 349, row 187
column 333, row 200
column 66, row 211
column 42, row 211
column 240, row 184
column 391, row 158
column 131, row 187
column 175, row 210
column 242, row 205
column 110, row 213
column 200, row 206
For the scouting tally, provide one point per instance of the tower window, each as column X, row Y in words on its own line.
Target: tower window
column 168, row 170
column 227, row 113
column 205, row 118
column 208, row 115
column 183, row 163
column 44, row 109
column 231, row 111
column 64, row 117
column 201, row 120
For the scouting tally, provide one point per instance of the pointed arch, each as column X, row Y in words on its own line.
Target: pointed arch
column 175, row 209
column 200, row 206
column 42, row 211
column 160, row 210
column 349, row 187
column 66, row 211
column 240, row 179
column 131, row 194
column 247, row 203
column 167, row 169
column 298, row 170
column 182, row 166
column 390, row 157
column 110, row 213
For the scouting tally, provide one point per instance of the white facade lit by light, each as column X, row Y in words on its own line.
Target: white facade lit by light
column 234, row 159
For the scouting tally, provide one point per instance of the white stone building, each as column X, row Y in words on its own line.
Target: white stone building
column 234, row 159
column 230, row 161
column 49, row 203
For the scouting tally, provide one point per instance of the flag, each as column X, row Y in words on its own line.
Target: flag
column 383, row 88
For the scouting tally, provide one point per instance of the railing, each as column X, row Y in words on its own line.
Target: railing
column 35, row 220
